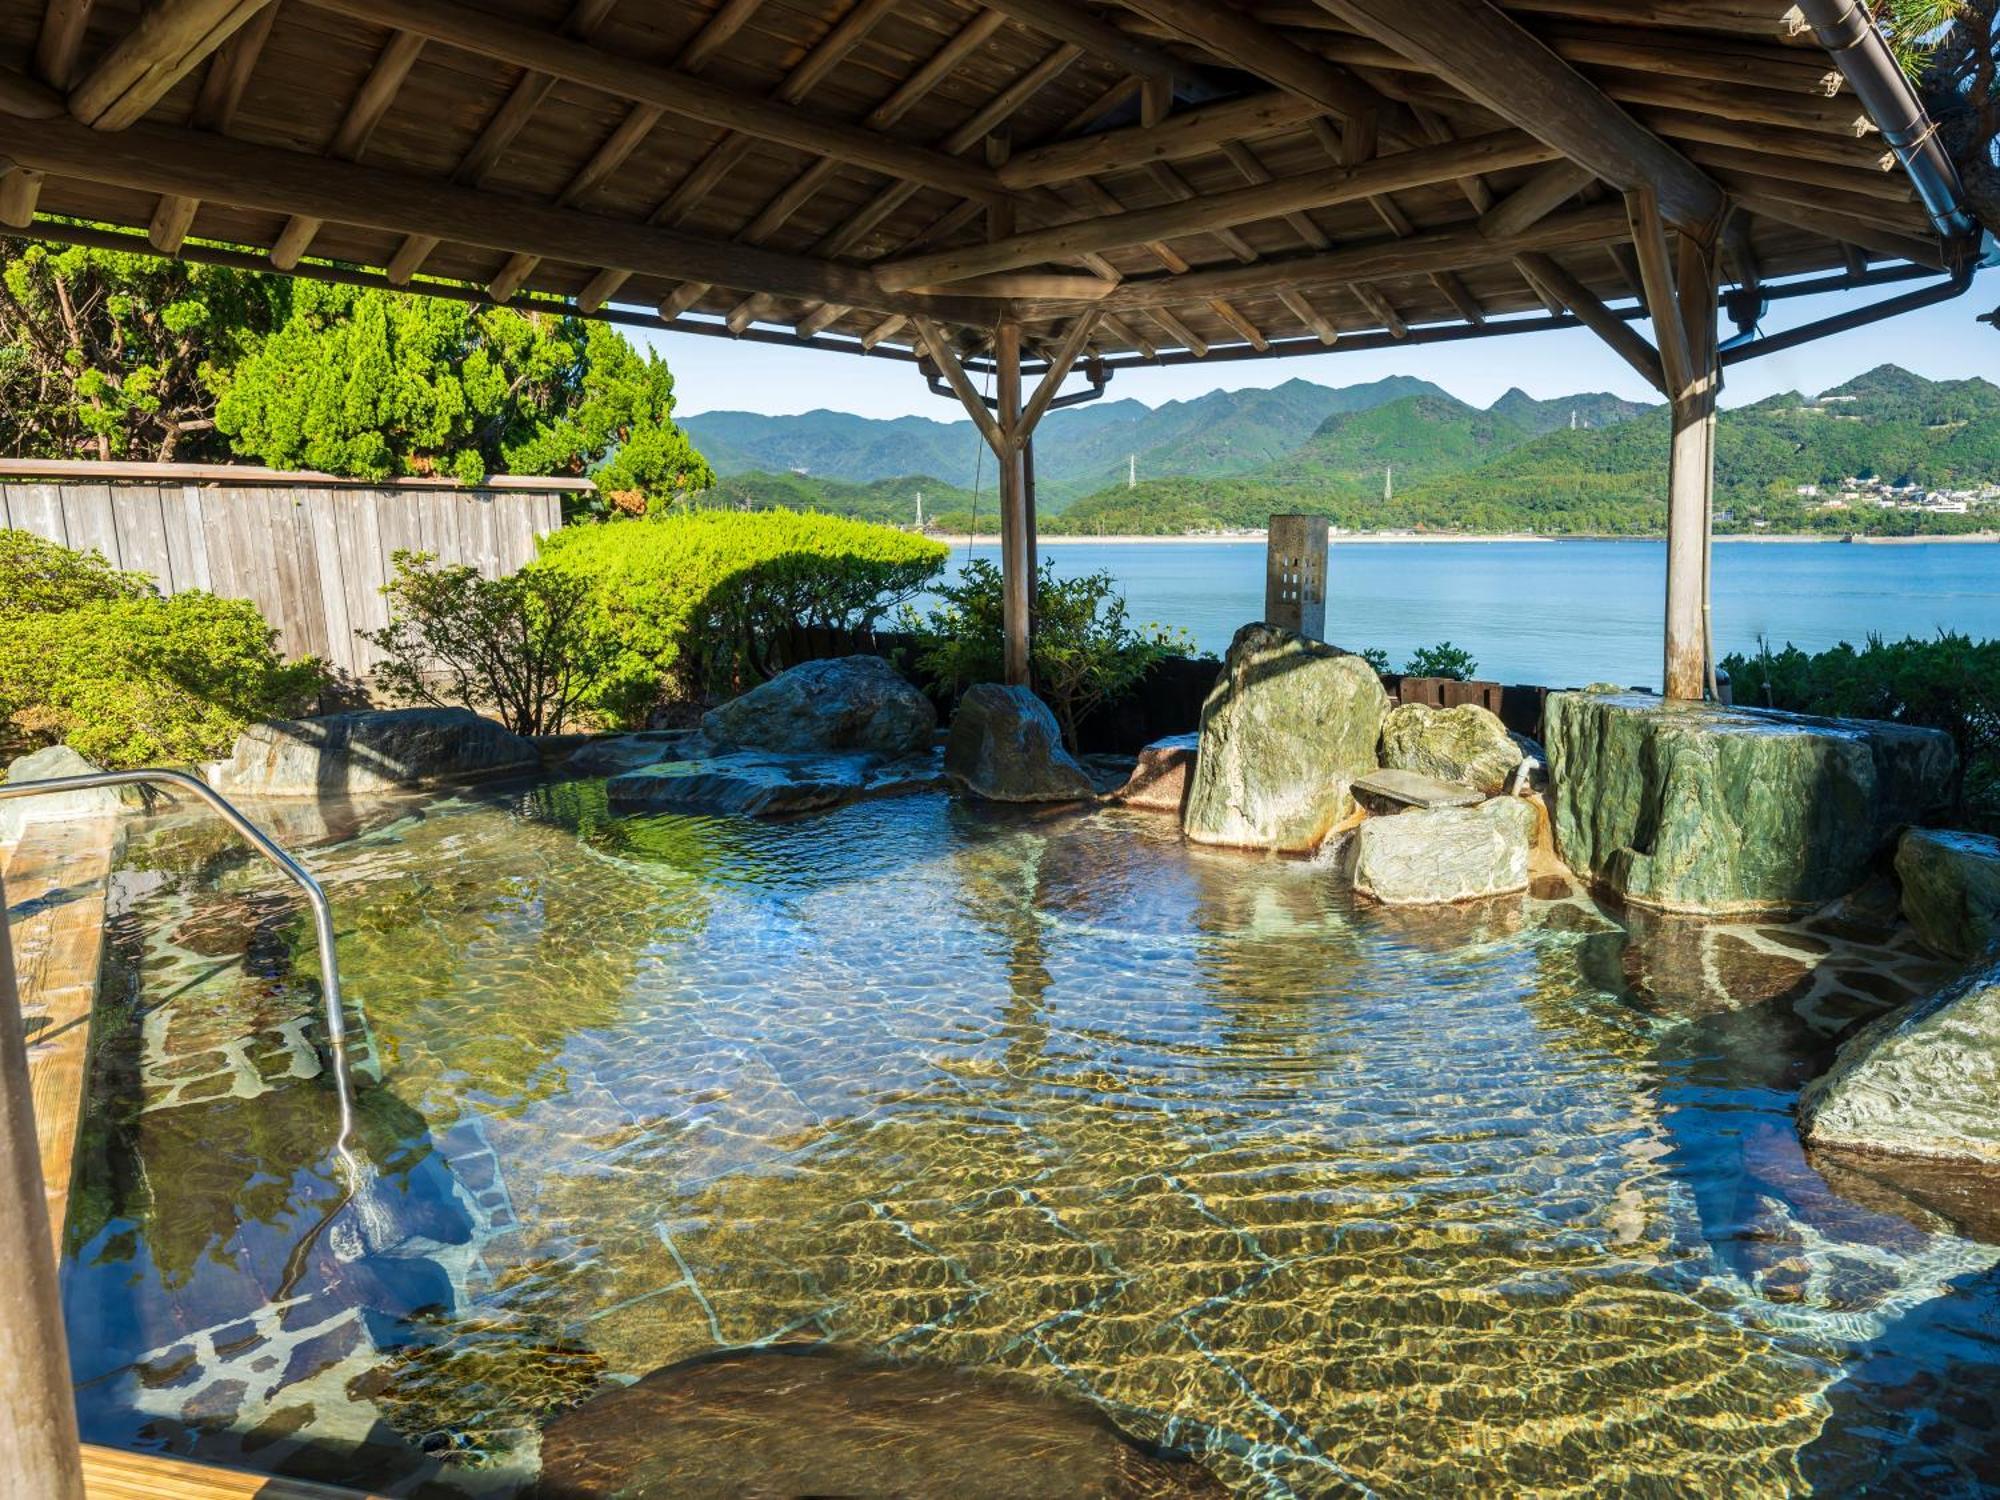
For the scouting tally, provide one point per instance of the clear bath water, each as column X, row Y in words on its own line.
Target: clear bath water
column 1338, row 1201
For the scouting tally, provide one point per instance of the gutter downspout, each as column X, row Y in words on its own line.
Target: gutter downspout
column 1848, row 32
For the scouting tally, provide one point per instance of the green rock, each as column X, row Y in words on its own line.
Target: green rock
column 1289, row 725
column 1924, row 1081
column 1951, row 889
column 1437, row 856
column 1005, row 746
column 1467, row 744
column 1700, row 808
column 16, row 813
column 842, row 703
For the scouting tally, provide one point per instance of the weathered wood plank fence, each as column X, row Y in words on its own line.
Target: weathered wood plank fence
column 310, row 550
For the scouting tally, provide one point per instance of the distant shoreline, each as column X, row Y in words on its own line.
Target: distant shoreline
column 1433, row 538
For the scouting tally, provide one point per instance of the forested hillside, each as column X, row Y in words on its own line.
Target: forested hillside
column 1586, row 464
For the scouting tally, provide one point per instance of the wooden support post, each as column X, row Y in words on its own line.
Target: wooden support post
column 44, row 1459
column 1691, row 480
column 1016, row 564
column 1033, row 529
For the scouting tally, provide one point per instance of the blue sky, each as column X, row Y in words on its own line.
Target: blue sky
column 1943, row 342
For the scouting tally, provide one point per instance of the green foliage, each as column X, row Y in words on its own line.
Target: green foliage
column 1085, row 650
column 111, row 356
column 40, row 578
column 374, row 384
column 892, row 502
column 522, row 645
column 1377, row 659
column 135, row 679
column 1442, row 660
column 1950, row 683
column 694, row 602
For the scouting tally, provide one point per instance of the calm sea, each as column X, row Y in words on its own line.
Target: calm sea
column 1563, row 612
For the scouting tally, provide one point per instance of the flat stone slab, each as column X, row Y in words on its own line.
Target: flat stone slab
column 762, row 783
column 1414, row 789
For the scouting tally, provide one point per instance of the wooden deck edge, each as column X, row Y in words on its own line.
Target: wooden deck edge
column 113, row 1474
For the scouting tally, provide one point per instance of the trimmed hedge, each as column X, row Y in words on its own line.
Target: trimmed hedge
column 96, row 659
column 693, row 602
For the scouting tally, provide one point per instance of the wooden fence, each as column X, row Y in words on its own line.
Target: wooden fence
column 311, row 551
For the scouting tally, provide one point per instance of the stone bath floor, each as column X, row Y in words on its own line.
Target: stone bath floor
column 1338, row 1200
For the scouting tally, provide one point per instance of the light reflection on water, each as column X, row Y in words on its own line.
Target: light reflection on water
column 1503, row 1200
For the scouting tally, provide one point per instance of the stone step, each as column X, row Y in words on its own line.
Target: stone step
column 1414, row 789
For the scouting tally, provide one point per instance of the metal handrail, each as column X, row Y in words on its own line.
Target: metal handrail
column 264, row 844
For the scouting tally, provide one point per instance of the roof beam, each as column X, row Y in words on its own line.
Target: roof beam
column 1206, row 214
column 1247, row 43
column 1189, row 133
column 1426, row 251
column 1589, row 308
column 1537, row 198
column 676, row 91
column 224, row 170
column 1067, row 21
column 61, row 40
column 1489, row 57
column 169, row 41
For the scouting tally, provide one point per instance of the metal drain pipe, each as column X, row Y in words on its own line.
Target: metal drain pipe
column 1848, row 32
column 264, row 844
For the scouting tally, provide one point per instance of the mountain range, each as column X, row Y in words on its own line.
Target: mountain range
column 1585, row 463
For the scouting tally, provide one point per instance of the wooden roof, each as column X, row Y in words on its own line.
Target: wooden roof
column 1206, row 178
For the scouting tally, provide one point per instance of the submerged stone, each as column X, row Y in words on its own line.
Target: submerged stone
column 799, row 1420
column 1924, row 1081
column 1159, row 782
column 758, row 783
column 1438, row 856
column 1699, row 808
column 1467, row 744
column 356, row 754
column 1005, row 746
column 846, row 703
column 628, row 752
column 1951, row 889
column 1289, row 725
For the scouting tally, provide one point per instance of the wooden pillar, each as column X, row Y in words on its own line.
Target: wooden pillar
column 1691, row 483
column 42, row 1458
column 1017, row 563
column 1034, row 528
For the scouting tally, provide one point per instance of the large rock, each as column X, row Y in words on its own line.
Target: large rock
column 1951, row 889
column 760, row 783
column 628, row 752
column 1699, row 808
column 815, row 1421
column 1159, row 782
column 1437, row 856
column 359, row 754
column 848, row 703
column 17, row 813
column 1467, row 744
column 1289, row 725
column 1924, row 1081
column 1005, row 746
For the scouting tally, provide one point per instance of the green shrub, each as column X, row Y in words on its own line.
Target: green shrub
column 1442, row 660
column 693, row 602
column 1084, row 651
column 521, row 645
column 1951, row 683
column 38, row 577
column 137, row 679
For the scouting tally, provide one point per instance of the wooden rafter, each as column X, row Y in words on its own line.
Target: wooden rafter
column 155, row 160
column 518, row 108
column 1067, row 21
column 1493, row 59
column 170, row 41
column 1192, row 132
column 1247, row 43
column 371, row 101
column 1621, row 336
column 221, row 93
column 675, row 91
column 60, row 41
column 1416, row 168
